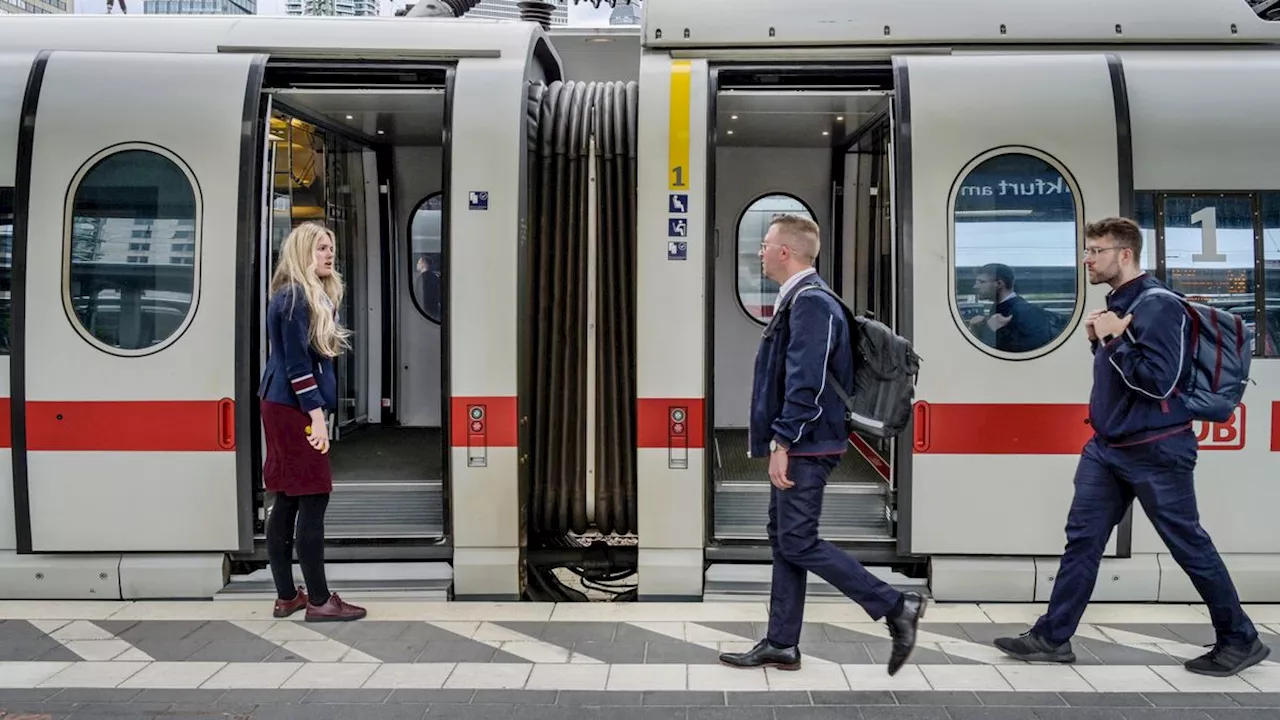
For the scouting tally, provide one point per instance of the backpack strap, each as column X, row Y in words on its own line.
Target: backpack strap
column 844, row 395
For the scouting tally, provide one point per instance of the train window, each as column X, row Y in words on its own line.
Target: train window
column 134, row 240
column 1269, row 342
column 1016, row 234
column 427, row 255
column 7, row 201
column 1209, row 248
column 757, row 293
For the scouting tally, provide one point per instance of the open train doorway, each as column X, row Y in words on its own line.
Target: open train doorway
column 364, row 152
column 815, row 144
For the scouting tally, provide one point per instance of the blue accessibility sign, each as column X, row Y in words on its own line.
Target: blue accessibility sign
column 478, row 200
column 678, row 203
column 677, row 250
column 677, row 227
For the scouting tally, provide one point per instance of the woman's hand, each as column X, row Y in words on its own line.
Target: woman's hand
column 318, row 431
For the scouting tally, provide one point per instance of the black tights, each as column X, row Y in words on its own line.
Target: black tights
column 308, row 511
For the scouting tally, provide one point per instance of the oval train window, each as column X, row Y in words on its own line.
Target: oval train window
column 426, row 241
column 756, row 292
column 1015, row 227
column 132, row 250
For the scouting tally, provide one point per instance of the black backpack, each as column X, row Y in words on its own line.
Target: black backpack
column 885, row 370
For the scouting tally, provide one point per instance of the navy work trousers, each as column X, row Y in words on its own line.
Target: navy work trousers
column 797, row 549
column 1160, row 474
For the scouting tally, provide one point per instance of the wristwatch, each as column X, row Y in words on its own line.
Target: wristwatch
column 775, row 446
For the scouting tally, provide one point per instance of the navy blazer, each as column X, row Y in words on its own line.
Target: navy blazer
column 295, row 374
column 791, row 397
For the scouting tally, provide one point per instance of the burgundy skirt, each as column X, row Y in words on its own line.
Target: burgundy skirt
column 292, row 466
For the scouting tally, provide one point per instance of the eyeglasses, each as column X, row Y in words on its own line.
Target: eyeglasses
column 1093, row 252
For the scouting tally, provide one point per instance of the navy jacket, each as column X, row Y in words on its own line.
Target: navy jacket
column 791, row 397
column 1029, row 328
column 1137, row 375
column 296, row 374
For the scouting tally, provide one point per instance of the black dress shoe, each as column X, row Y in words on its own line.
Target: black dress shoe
column 902, row 629
column 763, row 655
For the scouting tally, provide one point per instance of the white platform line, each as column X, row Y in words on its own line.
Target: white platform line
column 303, row 641
column 711, row 639
column 515, row 643
column 676, row 676
column 90, row 641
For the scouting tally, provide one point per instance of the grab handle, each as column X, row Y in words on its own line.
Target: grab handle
column 227, row 424
column 921, row 427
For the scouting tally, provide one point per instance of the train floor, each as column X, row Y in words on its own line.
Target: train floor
column 854, row 506
column 598, row 661
column 387, row 483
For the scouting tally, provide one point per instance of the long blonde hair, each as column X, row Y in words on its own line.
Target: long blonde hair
column 297, row 266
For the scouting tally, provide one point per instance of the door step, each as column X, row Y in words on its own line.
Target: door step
column 851, row 511
column 750, row 583
column 374, row 509
column 421, row 581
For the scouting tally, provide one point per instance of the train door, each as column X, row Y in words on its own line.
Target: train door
column 1210, row 212
column 131, row 372
column 370, row 167
column 997, row 159
column 789, row 152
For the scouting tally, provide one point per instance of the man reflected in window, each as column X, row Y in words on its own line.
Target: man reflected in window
column 1015, row 324
column 428, row 286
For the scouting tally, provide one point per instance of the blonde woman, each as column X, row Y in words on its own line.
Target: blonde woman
column 298, row 387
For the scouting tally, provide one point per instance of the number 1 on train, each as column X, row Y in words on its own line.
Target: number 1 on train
column 677, row 177
column 1208, row 221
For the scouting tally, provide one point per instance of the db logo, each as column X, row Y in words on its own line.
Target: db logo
column 1227, row 435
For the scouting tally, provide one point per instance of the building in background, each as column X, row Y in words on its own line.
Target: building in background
column 341, row 8
column 197, row 7
column 38, row 7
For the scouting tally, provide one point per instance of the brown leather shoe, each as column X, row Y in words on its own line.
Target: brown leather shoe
column 285, row 608
column 335, row 610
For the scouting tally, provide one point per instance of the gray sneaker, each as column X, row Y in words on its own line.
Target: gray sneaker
column 1030, row 647
column 1226, row 660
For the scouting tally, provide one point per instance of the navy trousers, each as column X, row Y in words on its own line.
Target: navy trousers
column 1160, row 474
column 797, row 549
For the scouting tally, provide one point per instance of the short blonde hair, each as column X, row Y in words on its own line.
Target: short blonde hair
column 802, row 231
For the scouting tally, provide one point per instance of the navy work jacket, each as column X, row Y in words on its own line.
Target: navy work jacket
column 791, row 397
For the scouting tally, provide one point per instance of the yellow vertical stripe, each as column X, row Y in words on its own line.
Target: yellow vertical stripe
column 678, row 152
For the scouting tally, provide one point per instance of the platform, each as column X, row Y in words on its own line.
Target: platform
column 229, row 658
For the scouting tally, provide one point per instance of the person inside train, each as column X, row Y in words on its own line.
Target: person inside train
column 1016, row 324
column 798, row 422
column 1144, row 447
column 428, row 285
column 298, row 391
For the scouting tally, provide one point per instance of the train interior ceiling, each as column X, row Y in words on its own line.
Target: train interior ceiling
column 817, row 147
column 342, row 154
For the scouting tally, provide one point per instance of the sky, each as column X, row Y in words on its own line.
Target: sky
column 584, row 13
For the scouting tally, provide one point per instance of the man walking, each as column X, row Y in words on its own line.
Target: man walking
column 1143, row 446
column 797, row 421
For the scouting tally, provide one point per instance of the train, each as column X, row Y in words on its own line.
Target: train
column 550, row 240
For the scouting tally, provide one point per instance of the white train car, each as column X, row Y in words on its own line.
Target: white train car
column 556, row 293
column 928, row 140
column 155, row 164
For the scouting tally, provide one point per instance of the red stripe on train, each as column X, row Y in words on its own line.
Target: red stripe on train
column 1012, row 429
column 484, row 422
column 145, row 426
